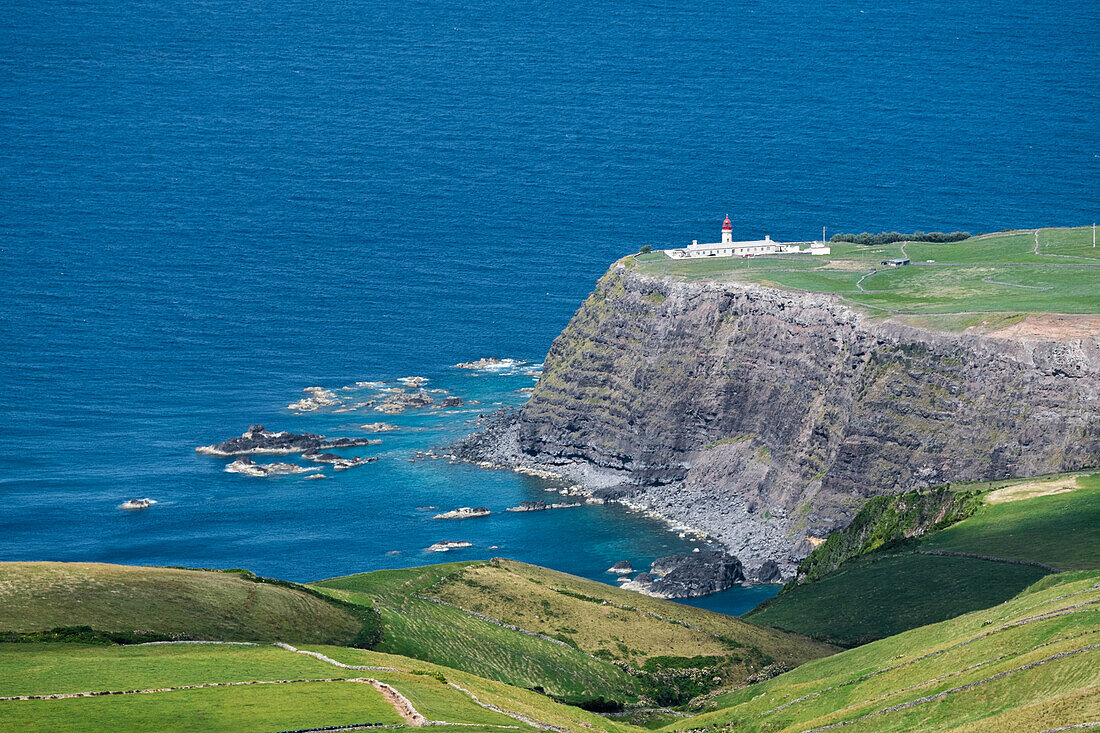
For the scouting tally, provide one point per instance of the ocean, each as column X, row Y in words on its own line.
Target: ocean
column 206, row 207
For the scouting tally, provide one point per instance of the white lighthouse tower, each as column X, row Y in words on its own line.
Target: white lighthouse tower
column 727, row 231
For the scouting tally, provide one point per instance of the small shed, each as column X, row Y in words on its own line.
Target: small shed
column 897, row 262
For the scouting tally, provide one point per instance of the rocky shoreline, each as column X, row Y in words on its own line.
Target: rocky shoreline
column 763, row 419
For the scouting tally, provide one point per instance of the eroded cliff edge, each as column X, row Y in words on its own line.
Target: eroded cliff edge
column 764, row 416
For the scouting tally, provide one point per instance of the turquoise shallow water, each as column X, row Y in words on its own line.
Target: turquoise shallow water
column 207, row 206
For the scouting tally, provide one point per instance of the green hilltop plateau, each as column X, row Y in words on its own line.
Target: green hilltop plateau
column 1014, row 272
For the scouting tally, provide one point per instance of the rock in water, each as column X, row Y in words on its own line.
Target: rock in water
column 260, row 440
column 464, row 512
column 400, row 400
column 448, row 546
column 689, row 576
column 248, row 467
column 338, row 462
column 530, row 506
column 621, row 568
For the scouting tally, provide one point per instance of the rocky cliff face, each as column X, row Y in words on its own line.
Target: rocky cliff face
column 765, row 417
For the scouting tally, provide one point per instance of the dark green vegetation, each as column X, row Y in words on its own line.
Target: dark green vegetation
column 578, row 640
column 918, row 558
column 1062, row 530
column 875, row 597
column 891, row 237
column 885, row 522
column 1013, row 272
column 1030, row 664
column 123, row 603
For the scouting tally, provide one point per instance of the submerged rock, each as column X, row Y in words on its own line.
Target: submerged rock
column 259, row 440
column 400, row 400
column 530, row 506
column 379, row 427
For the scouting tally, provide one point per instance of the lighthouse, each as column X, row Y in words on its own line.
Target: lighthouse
column 727, row 231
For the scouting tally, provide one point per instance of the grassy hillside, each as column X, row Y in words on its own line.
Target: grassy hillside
column 1053, row 521
column 1051, row 270
column 874, row 597
column 1061, row 529
column 165, row 603
column 572, row 637
column 1032, row 663
column 317, row 693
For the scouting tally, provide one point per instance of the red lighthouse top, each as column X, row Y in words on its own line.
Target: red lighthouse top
column 726, row 226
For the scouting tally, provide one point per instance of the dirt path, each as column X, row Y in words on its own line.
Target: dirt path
column 400, row 703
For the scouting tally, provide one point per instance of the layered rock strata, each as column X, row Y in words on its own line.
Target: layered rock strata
column 767, row 417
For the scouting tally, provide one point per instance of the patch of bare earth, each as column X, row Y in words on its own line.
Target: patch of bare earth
column 1032, row 489
column 1051, row 327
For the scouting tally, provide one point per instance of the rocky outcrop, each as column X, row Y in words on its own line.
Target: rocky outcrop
column 764, row 416
column 258, row 440
column 248, row 467
column 464, row 512
column 339, row 463
column 689, row 576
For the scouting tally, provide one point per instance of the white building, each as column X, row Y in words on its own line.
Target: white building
column 750, row 248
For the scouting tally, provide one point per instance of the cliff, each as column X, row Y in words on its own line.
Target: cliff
column 766, row 416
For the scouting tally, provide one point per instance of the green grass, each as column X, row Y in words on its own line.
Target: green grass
column 42, row 669
column 253, row 707
column 1058, row 615
column 510, row 698
column 421, row 629
column 967, row 277
column 882, row 594
column 164, row 601
column 563, row 607
column 53, row 668
column 1062, row 530
column 875, row 597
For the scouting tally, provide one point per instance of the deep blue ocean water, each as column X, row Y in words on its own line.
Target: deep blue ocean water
column 207, row 206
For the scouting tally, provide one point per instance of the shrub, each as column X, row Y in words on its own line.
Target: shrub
column 891, row 237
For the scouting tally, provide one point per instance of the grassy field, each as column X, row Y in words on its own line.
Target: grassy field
column 251, row 707
column 994, row 273
column 875, row 597
column 48, row 668
column 163, row 601
column 1061, row 529
column 59, row 668
column 1032, row 663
